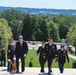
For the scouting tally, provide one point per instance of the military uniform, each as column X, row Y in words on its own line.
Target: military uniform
column 3, row 58
column 61, row 56
column 0, row 57
column 10, row 55
column 50, row 51
column 41, row 59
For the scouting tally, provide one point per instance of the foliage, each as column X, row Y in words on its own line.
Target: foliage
column 14, row 19
column 42, row 33
column 34, row 27
column 71, row 36
column 53, row 31
column 64, row 23
column 39, row 28
column 5, row 33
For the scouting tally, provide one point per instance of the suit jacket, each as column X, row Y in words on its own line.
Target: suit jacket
column 21, row 50
column 41, row 52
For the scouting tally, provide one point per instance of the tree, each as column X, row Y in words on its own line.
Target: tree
column 63, row 30
column 5, row 32
column 63, row 22
column 71, row 36
column 42, row 32
column 29, row 25
column 15, row 20
column 38, row 35
column 16, row 28
column 53, row 31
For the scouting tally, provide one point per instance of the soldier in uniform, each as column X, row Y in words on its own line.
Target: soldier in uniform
column 50, row 51
column 3, row 57
column 61, row 58
column 41, row 56
column 10, row 55
column 0, row 57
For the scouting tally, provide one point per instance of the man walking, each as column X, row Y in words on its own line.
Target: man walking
column 42, row 58
column 50, row 51
column 61, row 57
column 21, row 51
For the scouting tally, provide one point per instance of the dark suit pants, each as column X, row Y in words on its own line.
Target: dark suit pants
column 42, row 63
column 22, row 63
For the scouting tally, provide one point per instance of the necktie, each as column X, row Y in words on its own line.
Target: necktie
column 20, row 44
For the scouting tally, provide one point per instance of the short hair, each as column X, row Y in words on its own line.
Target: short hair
column 43, row 41
column 62, row 46
column 21, row 36
column 50, row 38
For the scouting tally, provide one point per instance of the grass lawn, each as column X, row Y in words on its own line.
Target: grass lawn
column 32, row 54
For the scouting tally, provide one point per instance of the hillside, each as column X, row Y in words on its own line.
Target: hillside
column 48, row 12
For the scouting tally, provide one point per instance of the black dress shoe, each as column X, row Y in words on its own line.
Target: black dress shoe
column 22, row 71
column 17, row 71
column 49, row 72
column 42, row 71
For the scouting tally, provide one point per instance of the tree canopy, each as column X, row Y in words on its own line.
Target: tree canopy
column 39, row 28
column 14, row 19
column 5, row 33
column 71, row 36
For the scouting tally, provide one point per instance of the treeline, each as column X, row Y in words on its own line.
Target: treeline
column 39, row 28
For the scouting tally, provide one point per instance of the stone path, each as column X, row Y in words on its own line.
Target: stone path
column 72, row 56
column 36, row 71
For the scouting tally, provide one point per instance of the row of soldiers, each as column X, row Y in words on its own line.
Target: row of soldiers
column 48, row 52
column 10, row 54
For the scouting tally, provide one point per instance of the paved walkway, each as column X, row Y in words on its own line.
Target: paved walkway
column 72, row 56
column 36, row 71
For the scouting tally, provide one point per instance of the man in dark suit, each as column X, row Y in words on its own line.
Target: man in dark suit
column 50, row 52
column 21, row 51
column 42, row 58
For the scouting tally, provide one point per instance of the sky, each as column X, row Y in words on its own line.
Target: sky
column 51, row 4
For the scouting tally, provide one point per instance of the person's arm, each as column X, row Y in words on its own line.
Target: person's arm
column 67, row 56
column 45, row 49
column 55, row 51
column 15, row 50
column 26, row 50
column 56, row 56
column 38, row 51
